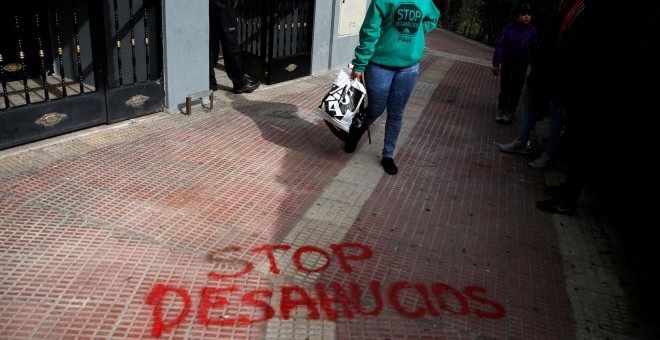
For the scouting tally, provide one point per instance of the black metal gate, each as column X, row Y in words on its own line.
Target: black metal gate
column 276, row 38
column 72, row 64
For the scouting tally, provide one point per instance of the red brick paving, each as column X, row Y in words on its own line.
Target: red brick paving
column 86, row 240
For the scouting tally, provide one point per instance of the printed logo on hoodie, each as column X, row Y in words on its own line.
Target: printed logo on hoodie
column 407, row 19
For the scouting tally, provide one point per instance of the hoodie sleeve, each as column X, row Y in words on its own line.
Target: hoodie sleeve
column 369, row 35
column 430, row 21
column 499, row 48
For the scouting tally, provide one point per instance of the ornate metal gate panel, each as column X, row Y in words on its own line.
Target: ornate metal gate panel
column 73, row 64
column 133, row 58
column 276, row 38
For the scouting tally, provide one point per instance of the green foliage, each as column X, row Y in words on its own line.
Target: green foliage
column 483, row 19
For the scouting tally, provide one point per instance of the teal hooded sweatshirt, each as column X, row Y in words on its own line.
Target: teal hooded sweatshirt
column 392, row 33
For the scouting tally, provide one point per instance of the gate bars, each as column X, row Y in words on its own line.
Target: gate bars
column 36, row 36
column 275, row 38
column 26, row 55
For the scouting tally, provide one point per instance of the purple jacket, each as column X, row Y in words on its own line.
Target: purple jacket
column 517, row 44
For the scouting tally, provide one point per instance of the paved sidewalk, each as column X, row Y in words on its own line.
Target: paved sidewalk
column 249, row 221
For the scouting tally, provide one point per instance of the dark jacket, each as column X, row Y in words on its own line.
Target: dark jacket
column 517, row 45
column 574, row 70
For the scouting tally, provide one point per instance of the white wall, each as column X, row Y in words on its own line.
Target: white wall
column 330, row 51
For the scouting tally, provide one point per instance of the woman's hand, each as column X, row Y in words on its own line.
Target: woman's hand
column 357, row 75
column 495, row 71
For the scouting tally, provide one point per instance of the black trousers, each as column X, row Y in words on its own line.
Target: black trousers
column 512, row 79
column 224, row 31
column 588, row 139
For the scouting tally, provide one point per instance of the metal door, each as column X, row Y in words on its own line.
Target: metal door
column 276, row 38
column 73, row 64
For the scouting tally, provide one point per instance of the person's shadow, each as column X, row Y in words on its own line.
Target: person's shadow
column 307, row 155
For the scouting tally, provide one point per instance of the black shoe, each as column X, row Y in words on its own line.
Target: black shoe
column 389, row 166
column 554, row 206
column 248, row 87
column 353, row 139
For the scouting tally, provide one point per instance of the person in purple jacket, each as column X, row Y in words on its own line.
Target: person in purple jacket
column 515, row 50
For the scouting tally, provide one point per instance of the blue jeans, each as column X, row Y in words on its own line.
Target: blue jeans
column 389, row 88
column 530, row 108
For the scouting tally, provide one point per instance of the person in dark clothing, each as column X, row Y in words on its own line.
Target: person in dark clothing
column 516, row 48
column 224, row 31
column 574, row 69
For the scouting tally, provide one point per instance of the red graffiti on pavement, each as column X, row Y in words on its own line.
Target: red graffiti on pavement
column 323, row 300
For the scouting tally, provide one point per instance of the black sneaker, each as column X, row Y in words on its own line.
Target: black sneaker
column 353, row 139
column 389, row 166
column 248, row 87
column 554, row 206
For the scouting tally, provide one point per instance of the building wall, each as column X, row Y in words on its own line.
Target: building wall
column 186, row 41
column 329, row 49
column 185, row 50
